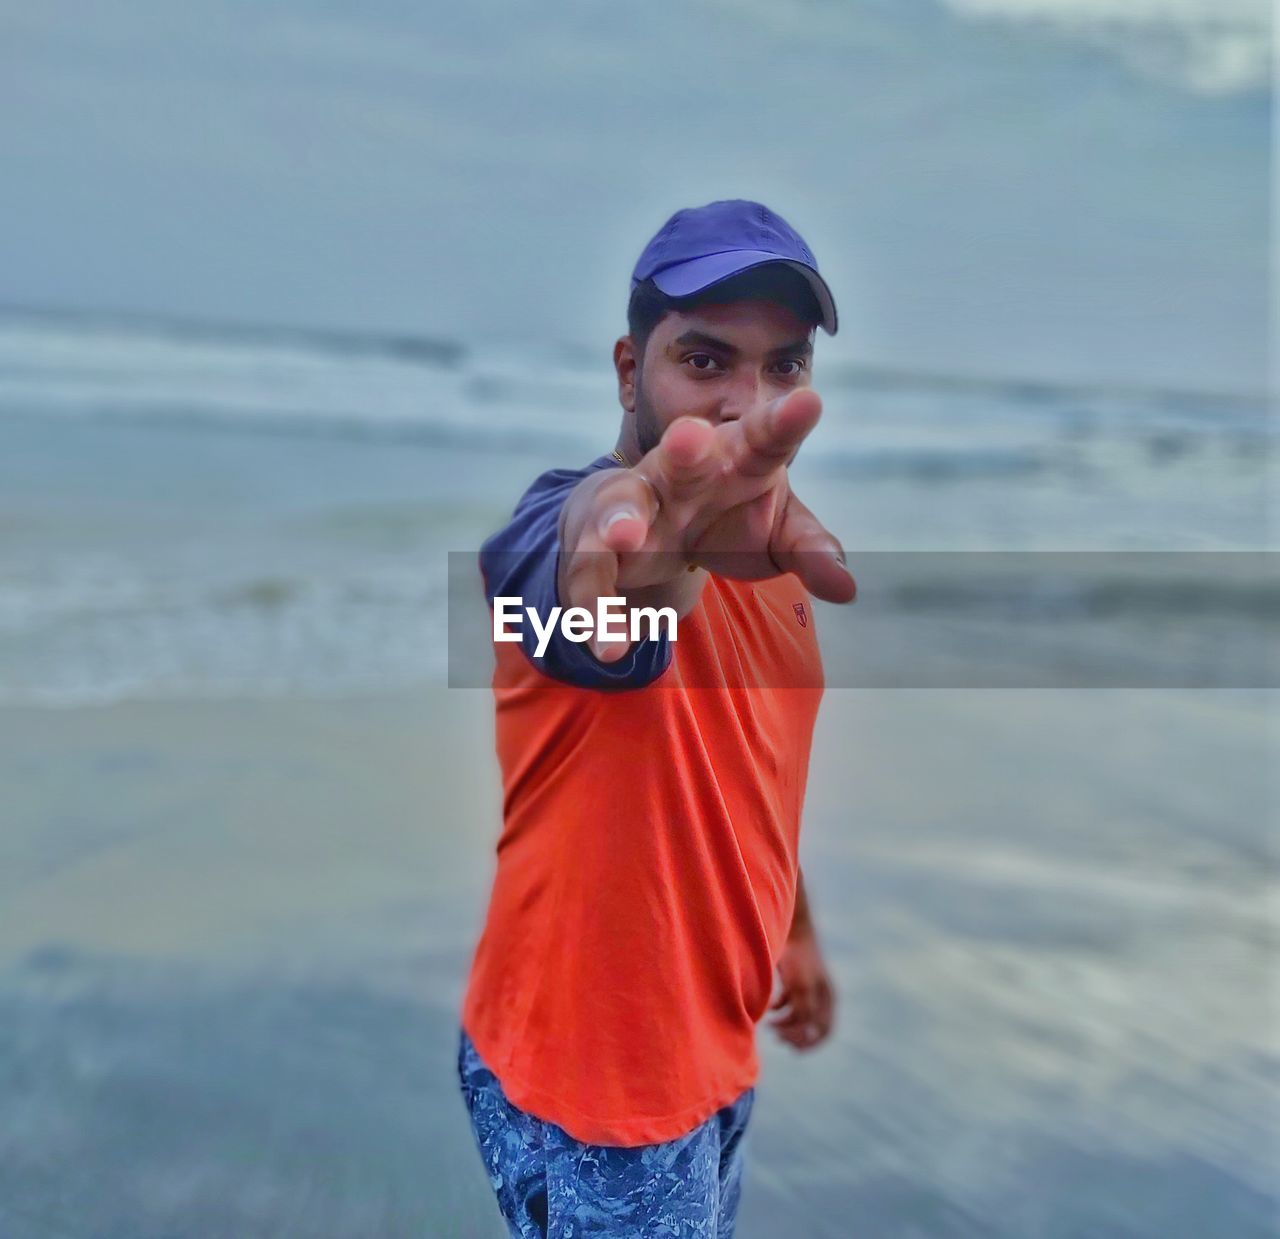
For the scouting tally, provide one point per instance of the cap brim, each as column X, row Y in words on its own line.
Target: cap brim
column 698, row 274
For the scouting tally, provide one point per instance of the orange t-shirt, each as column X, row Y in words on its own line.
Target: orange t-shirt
column 647, row 863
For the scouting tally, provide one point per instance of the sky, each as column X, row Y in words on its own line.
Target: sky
column 1073, row 190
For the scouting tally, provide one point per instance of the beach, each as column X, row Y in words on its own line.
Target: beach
column 248, row 828
column 234, row 936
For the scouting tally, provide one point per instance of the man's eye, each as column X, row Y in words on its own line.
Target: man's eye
column 704, row 363
column 792, row 361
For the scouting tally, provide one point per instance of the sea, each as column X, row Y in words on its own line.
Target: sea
column 193, row 510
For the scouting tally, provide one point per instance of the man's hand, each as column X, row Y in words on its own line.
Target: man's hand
column 807, row 999
column 715, row 497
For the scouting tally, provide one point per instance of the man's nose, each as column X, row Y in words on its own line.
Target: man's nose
column 745, row 394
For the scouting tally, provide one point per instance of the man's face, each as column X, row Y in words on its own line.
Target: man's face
column 715, row 362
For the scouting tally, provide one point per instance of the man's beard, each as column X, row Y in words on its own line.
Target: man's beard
column 648, row 428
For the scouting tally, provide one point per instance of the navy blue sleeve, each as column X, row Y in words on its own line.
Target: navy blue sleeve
column 521, row 560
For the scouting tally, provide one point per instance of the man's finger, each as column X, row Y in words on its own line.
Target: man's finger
column 800, row 543
column 801, row 1038
column 587, row 573
column 686, row 460
column 771, row 435
column 801, row 1012
column 622, row 511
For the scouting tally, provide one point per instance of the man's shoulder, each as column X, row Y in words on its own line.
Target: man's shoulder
column 532, row 516
column 563, row 478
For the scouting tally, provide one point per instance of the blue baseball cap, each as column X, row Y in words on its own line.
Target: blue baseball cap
column 700, row 246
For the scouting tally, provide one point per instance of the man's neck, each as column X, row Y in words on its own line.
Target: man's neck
column 627, row 445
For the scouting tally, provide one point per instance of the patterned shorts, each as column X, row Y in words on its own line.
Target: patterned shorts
column 551, row 1186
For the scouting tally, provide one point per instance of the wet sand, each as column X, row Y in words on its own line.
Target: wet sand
column 233, row 937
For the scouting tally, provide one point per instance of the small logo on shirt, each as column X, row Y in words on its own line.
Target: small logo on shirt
column 798, row 607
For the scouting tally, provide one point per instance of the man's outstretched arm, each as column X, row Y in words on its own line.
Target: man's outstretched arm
column 711, row 498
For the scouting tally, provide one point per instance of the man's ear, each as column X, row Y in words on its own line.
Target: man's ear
column 625, row 362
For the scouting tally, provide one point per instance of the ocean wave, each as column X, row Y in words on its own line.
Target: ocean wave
column 1241, row 586
column 517, row 400
column 345, row 342
column 69, row 644
column 931, row 464
column 307, row 422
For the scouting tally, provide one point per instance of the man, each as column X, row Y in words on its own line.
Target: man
column 647, row 883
